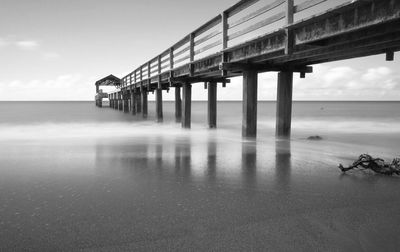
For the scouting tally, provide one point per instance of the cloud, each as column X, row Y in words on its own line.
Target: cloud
column 376, row 74
column 72, row 86
column 3, row 42
column 50, row 55
column 27, row 44
column 348, row 83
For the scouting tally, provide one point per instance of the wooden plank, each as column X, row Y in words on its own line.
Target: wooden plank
column 181, row 42
column 155, row 71
column 265, row 22
column 257, row 13
column 165, row 61
column 207, row 47
column 208, row 26
column 307, row 4
column 182, row 51
column 205, row 38
column 165, row 53
column 182, row 59
column 240, row 6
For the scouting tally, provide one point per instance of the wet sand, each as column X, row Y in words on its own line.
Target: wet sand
column 204, row 191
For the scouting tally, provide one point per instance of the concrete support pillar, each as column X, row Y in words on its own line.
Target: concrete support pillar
column 139, row 103
column 144, row 104
column 116, row 101
column 249, row 121
column 120, row 102
column 126, row 103
column 178, row 105
column 159, row 105
column 187, row 105
column 212, row 105
column 133, row 103
column 284, row 104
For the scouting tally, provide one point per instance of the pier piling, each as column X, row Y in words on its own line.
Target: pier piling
column 178, row 105
column 144, row 103
column 249, row 121
column 126, row 103
column 212, row 105
column 133, row 103
column 284, row 104
column 187, row 105
column 159, row 105
column 138, row 103
column 120, row 101
column 116, row 101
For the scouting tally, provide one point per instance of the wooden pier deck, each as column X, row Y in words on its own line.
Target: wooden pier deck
column 256, row 36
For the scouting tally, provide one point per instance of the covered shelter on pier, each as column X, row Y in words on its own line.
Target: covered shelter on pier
column 110, row 80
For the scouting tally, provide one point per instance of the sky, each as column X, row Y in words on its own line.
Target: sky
column 57, row 49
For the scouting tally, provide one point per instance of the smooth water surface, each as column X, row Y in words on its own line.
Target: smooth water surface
column 76, row 177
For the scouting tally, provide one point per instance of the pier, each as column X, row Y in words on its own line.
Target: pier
column 230, row 45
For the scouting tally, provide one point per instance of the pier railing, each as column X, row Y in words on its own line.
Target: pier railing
column 244, row 21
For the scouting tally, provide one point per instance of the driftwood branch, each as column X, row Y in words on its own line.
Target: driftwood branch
column 378, row 165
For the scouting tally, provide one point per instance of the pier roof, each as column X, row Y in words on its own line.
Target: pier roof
column 110, row 80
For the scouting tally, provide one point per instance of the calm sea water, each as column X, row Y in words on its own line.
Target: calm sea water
column 77, row 177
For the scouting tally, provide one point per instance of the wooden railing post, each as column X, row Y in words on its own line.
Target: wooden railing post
column 171, row 58
column 135, row 78
column 159, row 71
column 191, row 53
column 141, row 78
column 149, row 71
column 224, row 31
column 289, row 20
column 191, row 44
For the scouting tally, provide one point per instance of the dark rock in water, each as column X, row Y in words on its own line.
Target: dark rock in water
column 314, row 138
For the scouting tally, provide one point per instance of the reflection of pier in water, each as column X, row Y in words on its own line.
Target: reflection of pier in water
column 162, row 159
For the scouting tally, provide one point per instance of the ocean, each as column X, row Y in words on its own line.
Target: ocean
column 77, row 177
